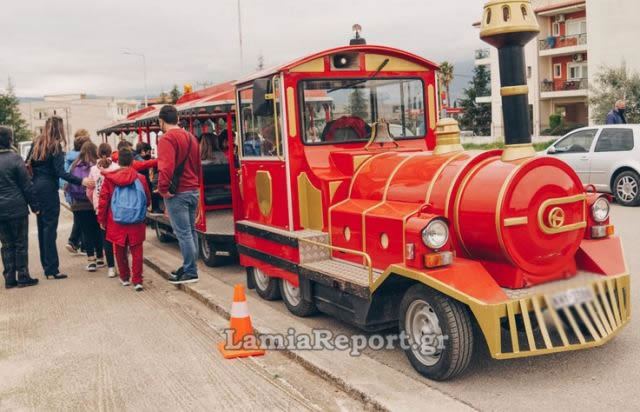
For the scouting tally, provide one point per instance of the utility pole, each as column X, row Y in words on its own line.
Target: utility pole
column 144, row 69
column 240, row 35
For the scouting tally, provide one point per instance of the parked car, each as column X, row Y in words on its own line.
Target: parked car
column 607, row 157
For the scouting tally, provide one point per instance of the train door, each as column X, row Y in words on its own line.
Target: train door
column 263, row 177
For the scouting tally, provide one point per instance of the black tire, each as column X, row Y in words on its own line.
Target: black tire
column 630, row 181
column 299, row 307
column 208, row 253
column 268, row 288
column 162, row 236
column 454, row 321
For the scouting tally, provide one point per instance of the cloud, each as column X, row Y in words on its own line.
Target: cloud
column 76, row 46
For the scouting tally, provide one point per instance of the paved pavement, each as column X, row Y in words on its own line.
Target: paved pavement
column 87, row 343
column 596, row 379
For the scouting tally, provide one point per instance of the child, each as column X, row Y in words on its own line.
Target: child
column 82, row 208
column 124, row 199
column 107, row 165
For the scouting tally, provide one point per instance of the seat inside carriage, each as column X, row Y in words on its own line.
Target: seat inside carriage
column 215, row 169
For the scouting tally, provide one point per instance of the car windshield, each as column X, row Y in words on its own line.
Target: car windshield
column 344, row 110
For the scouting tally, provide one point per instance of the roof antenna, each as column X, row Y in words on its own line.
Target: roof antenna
column 357, row 40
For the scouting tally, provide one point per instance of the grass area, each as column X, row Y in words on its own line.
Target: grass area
column 499, row 145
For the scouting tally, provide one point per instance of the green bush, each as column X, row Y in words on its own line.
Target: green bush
column 555, row 120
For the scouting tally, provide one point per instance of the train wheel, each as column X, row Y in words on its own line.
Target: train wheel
column 267, row 287
column 439, row 332
column 292, row 297
column 208, row 253
column 162, row 236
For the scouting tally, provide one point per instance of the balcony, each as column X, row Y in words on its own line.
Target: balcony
column 550, row 89
column 482, row 57
column 563, row 45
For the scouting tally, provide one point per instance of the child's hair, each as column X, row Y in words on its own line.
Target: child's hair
column 80, row 138
column 104, row 155
column 123, row 144
column 143, row 147
column 6, row 137
column 125, row 157
column 88, row 154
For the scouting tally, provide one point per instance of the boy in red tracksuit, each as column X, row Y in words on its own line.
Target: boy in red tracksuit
column 124, row 236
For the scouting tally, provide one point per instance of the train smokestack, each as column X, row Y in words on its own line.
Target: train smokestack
column 509, row 25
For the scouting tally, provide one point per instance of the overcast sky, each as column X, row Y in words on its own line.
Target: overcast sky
column 68, row 46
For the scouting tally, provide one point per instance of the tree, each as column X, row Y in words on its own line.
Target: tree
column 477, row 116
column 164, row 97
column 446, row 77
column 611, row 84
column 358, row 105
column 175, row 94
column 10, row 114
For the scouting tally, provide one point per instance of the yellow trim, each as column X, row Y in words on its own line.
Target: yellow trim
column 264, row 192
column 489, row 32
column 291, row 112
column 452, row 184
column 514, row 90
column 395, row 64
column 516, row 221
column 333, row 187
column 358, row 160
column 312, row 66
column 431, row 96
column 395, row 171
column 560, row 227
column 456, row 204
column 437, row 175
column 513, row 152
column 309, row 204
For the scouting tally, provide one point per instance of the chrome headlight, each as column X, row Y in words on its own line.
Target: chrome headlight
column 436, row 234
column 600, row 210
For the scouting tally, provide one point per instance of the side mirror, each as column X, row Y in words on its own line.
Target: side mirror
column 551, row 150
column 262, row 97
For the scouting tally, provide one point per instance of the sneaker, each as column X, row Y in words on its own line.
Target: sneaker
column 124, row 282
column 178, row 271
column 71, row 248
column 138, row 287
column 91, row 267
column 100, row 263
column 112, row 273
column 179, row 279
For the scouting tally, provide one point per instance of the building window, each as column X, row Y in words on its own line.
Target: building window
column 557, row 71
column 576, row 27
column 577, row 71
column 528, row 72
column 555, row 29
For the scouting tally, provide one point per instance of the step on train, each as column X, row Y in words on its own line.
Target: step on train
column 342, row 192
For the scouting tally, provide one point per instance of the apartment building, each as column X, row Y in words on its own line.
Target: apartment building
column 78, row 111
column 577, row 38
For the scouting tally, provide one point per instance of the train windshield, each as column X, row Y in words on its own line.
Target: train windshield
column 344, row 110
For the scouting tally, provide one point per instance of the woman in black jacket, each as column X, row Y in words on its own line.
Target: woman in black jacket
column 47, row 164
column 15, row 195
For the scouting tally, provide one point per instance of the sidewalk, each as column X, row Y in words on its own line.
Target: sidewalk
column 375, row 383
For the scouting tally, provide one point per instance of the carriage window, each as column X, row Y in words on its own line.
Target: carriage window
column 344, row 110
column 259, row 131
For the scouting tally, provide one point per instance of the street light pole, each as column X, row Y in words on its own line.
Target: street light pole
column 144, row 69
column 240, row 35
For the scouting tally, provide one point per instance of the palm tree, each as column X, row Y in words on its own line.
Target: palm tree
column 446, row 77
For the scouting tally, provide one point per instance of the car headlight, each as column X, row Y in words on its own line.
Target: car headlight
column 600, row 210
column 436, row 234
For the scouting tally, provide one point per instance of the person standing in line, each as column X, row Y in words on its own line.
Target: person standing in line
column 82, row 208
column 616, row 116
column 142, row 157
column 46, row 159
column 106, row 165
column 74, row 245
column 124, row 199
column 179, row 183
column 15, row 195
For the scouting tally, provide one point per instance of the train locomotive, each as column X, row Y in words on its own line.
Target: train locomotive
column 352, row 198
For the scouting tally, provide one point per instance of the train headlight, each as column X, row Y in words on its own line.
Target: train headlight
column 436, row 234
column 600, row 210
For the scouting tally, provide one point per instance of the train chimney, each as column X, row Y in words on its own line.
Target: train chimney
column 447, row 137
column 509, row 25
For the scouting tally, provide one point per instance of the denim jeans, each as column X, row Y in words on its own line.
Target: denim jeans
column 182, row 209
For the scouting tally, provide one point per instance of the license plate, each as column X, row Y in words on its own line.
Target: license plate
column 571, row 297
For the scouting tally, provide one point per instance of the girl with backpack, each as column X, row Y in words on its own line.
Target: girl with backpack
column 82, row 208
column 124, row 199
column 104, row 164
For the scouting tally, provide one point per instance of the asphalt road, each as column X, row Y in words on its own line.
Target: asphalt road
column 596, row 379
column 87, row 343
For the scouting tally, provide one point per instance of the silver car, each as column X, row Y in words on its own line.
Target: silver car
column 607, row 157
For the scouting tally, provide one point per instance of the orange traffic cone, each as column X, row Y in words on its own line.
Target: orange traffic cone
column 244, row 343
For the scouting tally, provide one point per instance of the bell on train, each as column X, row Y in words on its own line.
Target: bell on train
column 380, row 134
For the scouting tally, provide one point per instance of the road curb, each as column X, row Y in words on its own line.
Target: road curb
column 422, row 395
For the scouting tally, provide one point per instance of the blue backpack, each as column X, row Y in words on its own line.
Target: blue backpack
column 129, row 204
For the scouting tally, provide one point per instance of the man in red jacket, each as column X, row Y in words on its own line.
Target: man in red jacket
column 179, row 185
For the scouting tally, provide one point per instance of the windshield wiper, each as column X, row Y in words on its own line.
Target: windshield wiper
column 357, row 82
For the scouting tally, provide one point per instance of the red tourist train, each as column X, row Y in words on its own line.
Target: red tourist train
column 352, row 198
